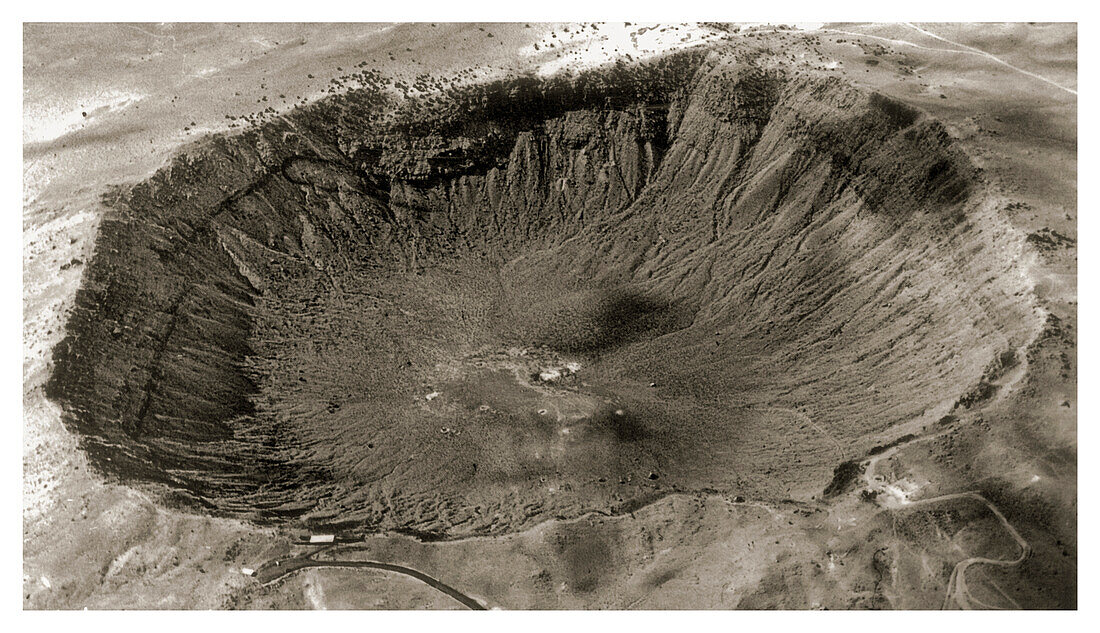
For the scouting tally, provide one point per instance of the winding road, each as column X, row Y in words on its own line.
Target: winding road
column 956, row 585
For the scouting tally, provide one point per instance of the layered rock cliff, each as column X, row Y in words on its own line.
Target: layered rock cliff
column 537, row 298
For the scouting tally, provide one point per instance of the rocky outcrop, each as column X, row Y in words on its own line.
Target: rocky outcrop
column 756, row 270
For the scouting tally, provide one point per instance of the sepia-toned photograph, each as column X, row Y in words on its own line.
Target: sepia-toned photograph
column 549, row 315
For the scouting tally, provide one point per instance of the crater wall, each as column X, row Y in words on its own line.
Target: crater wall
column 736, row 278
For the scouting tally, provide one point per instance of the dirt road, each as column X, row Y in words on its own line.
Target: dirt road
column 276, row 570
column 957, row 590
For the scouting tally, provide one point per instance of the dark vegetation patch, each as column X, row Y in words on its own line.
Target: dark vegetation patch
column 882, row 448
column 981, row 392
column 1047, row 239
column 986, row 388
column 844, row 477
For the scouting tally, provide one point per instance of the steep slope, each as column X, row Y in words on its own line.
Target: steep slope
column 538, row 298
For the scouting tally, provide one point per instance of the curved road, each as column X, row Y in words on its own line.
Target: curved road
column 956, row 585
column 276, row 570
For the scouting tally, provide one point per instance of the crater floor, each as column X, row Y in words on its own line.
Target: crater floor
column 747, row 266
column 710, row 278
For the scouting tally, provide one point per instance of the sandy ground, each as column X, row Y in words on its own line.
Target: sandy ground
column 108, row 104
